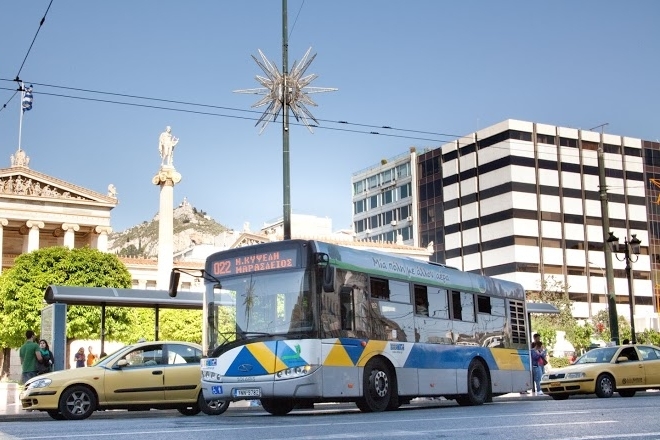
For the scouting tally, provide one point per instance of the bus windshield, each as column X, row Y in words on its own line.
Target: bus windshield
column 270, row 303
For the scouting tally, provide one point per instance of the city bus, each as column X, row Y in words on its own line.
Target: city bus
column 298, row 322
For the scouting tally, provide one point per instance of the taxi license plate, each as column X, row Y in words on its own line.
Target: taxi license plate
column 555, row 384
column 247, row 392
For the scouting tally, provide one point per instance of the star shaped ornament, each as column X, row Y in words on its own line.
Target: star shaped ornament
column 292, row 88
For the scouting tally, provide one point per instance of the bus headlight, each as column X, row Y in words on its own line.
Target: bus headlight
column 211, row 376
column 295, row 372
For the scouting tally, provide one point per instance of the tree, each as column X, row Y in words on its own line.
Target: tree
column 22, row 290
column 555, row 292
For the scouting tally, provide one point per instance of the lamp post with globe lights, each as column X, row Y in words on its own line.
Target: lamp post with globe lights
column 630, row 249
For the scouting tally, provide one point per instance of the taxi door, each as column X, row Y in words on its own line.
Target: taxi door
column 183, row 375
column 630, row 373
column 651, row 358
column 140, row 381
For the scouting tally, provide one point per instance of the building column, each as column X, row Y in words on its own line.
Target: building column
column 100, row 241
column 69, row 234
column 3, row 223
column 31, row 230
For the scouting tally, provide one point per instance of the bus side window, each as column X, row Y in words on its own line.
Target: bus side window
column 380, row 289
column 421, row 300
column 346, row 308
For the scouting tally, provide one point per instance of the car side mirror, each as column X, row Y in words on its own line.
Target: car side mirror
column 121, row 363
column 622, row 359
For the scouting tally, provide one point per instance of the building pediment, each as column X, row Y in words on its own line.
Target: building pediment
column 25, row 183
column 248, row 239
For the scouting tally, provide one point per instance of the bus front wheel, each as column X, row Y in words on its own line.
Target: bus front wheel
column 478, row 385
column 376, row 387
column 278, row 407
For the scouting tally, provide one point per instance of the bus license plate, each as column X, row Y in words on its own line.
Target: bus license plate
column 217, row 389
column 247, row 392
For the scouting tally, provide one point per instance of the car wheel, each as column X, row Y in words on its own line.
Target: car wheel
column 212, row 407
column 626, row 393
column 376, row 387
column 189, row 410
column 604, row 386
column 278, row 407
column 562, row 396
column 55, row 414
column 77, row 403
column 478, row 385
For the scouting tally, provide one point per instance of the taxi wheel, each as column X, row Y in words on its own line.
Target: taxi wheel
column 213, row 407
column 77, row 403
column 55, row 414
column 604, row 386
column 189, row 410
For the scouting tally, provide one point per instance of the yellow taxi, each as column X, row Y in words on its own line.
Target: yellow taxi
column 146, row 375
column 624, row 369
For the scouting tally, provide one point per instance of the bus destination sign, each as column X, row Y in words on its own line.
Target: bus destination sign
column 276, row 260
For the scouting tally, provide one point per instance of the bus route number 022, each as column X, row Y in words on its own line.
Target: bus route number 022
column 222, row 267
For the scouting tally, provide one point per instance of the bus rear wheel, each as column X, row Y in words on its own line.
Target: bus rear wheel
column 478, row 385
column 376, row 387
column 278, row 407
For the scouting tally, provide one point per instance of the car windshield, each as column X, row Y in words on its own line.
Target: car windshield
column 597, row 356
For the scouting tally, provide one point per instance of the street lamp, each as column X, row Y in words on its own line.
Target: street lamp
column 632, row 245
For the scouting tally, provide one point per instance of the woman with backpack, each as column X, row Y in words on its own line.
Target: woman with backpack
column 45, row 365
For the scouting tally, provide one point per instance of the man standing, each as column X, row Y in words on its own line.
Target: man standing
column 30, row 355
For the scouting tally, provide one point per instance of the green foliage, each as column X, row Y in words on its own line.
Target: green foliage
column 601, row 324
column 22, row 290
column 181, row 325
column 559, row 362
column 649, row 337
column 556, row 293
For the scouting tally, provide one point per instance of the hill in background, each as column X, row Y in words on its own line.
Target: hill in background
column 191, row 227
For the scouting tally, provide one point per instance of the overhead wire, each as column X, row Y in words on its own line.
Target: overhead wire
column 18, row 74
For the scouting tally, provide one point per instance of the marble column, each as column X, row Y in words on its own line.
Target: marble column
column 69, row 234
column 31, row 229
column 101, row 240
column 3, row 223
column 166, row 178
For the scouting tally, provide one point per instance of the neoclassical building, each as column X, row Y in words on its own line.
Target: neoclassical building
column 37, row 211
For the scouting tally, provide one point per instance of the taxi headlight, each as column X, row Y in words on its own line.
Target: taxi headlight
column 578, row 375
column 545, row 377
column 39, row 383
column 295, row 372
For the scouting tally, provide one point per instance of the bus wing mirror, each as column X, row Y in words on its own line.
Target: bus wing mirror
column 328, row 279
column 174, row 283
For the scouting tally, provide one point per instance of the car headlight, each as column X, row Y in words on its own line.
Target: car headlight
column 294, row 372
column 39, row 383
column 545, row 377
column 578, row 375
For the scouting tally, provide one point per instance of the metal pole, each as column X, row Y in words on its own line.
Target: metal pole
column 633, row 337
column 286, row 172
column 609, row 271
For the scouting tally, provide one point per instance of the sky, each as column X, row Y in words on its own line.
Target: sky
column 429, row 69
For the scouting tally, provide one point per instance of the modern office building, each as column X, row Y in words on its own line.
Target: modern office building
column 520, row 200
column 384, row 197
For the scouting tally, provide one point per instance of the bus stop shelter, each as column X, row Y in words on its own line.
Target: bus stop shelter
column 58, row 297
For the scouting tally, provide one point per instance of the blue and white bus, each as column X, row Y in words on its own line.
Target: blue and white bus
column 298, row 322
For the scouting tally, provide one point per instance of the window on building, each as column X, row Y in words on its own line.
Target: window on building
column 373, row 202
column 372, row 182
column 388, row 197
column 358, row 187
column 404, row 191
column 403, row 170
column 387, row 175
column 358, row 206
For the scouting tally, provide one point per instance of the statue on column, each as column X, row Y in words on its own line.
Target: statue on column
column 166, row 145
